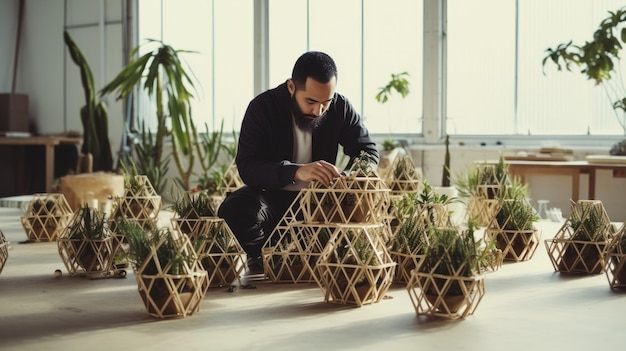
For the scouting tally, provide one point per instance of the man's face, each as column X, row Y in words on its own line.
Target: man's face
column 309, row 105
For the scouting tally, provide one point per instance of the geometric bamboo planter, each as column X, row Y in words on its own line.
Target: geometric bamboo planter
column 403, row 176
column 579, row 245
column 411, row 238
column 171, row 289
column 355, row 198
column 429, row 294
column 294, row 253
column 231, row 181
column 355, row 267
column 4, row 250
column 482, row 209
column 615, row 260
column 141, row 204
column 219, row 252
column 85, row 254
column 446, row 282
column 45, row 217
column 293, row 248
column 516, row 238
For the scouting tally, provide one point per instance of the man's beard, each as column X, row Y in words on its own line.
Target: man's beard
column 301, row 119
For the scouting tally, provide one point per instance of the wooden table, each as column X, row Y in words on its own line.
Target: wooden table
column 48, row 142
column 567, row 168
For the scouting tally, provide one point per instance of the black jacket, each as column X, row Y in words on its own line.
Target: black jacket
column 265, row 151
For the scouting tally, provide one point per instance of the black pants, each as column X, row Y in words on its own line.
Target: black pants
column 252, row 214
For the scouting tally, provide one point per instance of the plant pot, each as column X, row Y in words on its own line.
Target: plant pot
column 4, row 250
column 45, row 217
column 86, row 256
column 614, row 264
column 452, row 297
column 584, row 257
column 355, row 266
column 516, row 245
column 172, row 296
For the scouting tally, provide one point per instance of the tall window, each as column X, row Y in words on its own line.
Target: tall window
column 367, row 47
column 496, row 82
column 220, row 35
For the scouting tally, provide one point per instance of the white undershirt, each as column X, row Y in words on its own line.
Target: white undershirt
column 302, row 153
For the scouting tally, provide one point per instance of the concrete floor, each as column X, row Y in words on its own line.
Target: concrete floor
column 527, row 306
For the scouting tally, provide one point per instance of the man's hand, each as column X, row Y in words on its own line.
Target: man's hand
column 321, row 171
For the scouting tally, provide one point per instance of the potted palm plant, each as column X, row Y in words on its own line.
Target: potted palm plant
column 448, row 281
column 170, row 280
column 512, row 229
column 579, row 244
column 165, row 77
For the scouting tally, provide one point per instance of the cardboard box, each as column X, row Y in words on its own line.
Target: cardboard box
column 14, row 113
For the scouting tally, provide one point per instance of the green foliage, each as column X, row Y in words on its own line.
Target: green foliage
column 588, row 223
column 145, row 154
column 94, row 115
column 193, row 205
column 211, row 145
column 364, row 162
column 160, row 72
column 516, row 214
column 399, row 83
column 452, row 251
column 390, row 144
column 142, row 241
column 89, row 223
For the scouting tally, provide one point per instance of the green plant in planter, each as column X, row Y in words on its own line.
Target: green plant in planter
column 141, row 242
column 455, row 252
column 90, row 224
column 194, row 205
column 598, row 59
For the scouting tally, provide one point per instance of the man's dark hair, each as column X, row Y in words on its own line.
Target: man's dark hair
column 314, row 64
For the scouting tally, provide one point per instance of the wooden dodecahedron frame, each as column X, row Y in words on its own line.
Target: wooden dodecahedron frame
column 232, row 181
column 82, row 255
column 615, row 260
column 4, row 250
column 292, row 254
column 438, row 304
column 46, row 216
column 355, row 266
column 141, row 205
column 168, row 293
column 219, row 252
column 515, row 245
column 482, row 209
column 579, row 245
column 410, row 238
column 403, row 177
column 354, row 198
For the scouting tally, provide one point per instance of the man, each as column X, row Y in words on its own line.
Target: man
column 290, row 135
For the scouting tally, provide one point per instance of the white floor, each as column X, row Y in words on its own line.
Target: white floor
column 527, row 306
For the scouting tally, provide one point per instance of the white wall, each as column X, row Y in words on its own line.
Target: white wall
column 45, row 70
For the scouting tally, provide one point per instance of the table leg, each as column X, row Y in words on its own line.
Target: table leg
column 49, row 167
column 592, row 184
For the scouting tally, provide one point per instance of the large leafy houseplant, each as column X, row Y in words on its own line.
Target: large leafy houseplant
column 93, row 115
column 599, row 61
column 164, row 77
